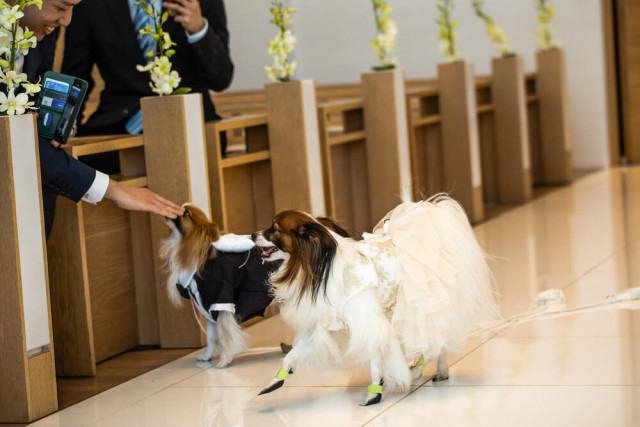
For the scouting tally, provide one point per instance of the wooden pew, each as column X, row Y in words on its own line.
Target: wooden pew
column 93, row 272
column 240, row 183
column 425, row 141
column 344, row 163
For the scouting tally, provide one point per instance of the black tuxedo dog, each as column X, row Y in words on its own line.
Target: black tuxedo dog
column 226, row 277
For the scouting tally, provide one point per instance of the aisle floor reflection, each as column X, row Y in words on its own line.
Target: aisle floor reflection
column 578, row 370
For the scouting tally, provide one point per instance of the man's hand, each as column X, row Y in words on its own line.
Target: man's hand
column 189, row 14
column 141, row 199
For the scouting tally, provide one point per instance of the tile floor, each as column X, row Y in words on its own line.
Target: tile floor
column 582, row 370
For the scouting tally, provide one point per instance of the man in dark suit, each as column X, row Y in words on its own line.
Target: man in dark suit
column 103, row 33
column 60, row 173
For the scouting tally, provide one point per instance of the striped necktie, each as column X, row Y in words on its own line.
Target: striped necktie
column 140, row 22
column 147, row 43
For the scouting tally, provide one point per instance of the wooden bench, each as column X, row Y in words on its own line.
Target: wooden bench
column 344, row 163
column 240, row 183
column 98, row 266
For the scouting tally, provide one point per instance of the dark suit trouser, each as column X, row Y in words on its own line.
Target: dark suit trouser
column 48, row 207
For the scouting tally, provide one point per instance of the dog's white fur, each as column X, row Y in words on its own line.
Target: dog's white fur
column 373, row 337
column 224, row 337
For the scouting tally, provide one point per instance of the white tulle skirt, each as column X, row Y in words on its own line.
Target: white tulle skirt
column 445, row 289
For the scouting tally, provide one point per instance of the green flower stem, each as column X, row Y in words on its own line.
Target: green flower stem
column 12, row 60
column 447, row 16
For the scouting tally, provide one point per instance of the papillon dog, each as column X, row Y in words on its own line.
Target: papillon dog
column 408, row 293
column 224, row 275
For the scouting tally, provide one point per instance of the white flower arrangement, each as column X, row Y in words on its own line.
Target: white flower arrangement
column 386, row 34
column 546, row 37
column 281, row 45
column 164, row 80
column 14, row 41
column 496, row 33
column 447, row 34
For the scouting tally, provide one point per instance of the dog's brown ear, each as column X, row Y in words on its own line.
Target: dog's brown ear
column 317, row 249
column 196, row 247
column 212, row 230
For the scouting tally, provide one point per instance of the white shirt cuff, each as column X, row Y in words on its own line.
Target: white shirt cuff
column 98, row 189
column 194, row 38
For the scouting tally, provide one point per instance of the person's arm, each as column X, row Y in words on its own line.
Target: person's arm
column 212, row 48
column 73, row 179
column 141, row 199
column 78, row 60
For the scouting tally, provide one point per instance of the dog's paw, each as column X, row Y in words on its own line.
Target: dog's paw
column 374, row 394
column 372, row 399
column 416, row 372
column 223, row 362
column 205, row 357
column 286, row 348
column 275, row 384
column 440, row 376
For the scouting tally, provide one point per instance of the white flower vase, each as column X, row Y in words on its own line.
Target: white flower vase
column 27, row 371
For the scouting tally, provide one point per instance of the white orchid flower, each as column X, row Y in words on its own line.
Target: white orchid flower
column 12, row 78
column 23, row 45
column 8, row 17
column 14, row 104
column 31, row 89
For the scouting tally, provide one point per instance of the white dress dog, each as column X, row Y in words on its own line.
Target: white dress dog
column 413, row 289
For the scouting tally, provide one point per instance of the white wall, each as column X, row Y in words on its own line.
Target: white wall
column 334, row 47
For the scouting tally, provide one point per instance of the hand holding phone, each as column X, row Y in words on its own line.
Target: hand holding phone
column 188, row 14
column 59, row 104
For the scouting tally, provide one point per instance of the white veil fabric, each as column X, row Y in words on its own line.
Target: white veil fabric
column 446, row 286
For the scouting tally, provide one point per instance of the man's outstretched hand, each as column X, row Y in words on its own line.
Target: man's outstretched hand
column 141, row 199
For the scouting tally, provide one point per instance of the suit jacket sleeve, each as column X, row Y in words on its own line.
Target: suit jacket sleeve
column 78, row 57
column 60, row 172
column 212, row 51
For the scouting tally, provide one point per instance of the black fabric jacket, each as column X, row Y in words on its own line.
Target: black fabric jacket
column 101, row 32
column 235, row 278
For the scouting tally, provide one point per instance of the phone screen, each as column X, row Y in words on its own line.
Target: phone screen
column 60, row 102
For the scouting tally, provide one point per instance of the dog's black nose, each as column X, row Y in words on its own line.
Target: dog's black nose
column 254, row 236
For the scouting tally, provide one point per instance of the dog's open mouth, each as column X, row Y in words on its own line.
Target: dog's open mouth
column 269, row 251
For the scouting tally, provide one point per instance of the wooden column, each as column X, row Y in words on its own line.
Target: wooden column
column 132, row 164
column 512, row 130
column 387, row 140
column 175, row 157
column 294, row 146
column 460, row 145
column 27, row 372
column 556, row 151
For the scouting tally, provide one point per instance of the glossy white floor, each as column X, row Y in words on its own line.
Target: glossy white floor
column 582, row 370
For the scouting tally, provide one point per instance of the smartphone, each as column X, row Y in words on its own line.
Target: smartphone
column 59, row 104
